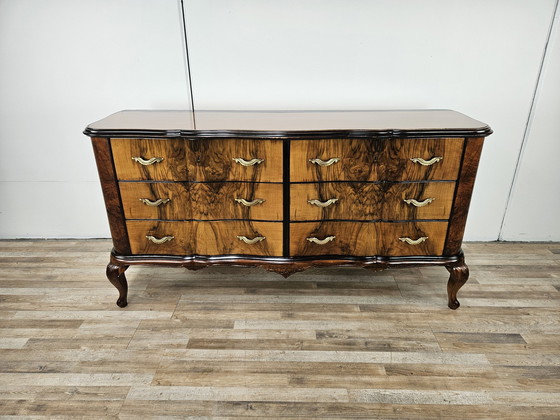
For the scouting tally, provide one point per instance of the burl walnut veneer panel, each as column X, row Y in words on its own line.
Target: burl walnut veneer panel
column 202, row 201
column 208, row 160
column 213, row 160
column 362, row 239
column 368, row 201
column 172, row 167
column 375, row 159
column 205, row 238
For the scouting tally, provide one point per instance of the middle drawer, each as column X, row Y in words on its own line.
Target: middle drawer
column 201, row 201
column 369, row 201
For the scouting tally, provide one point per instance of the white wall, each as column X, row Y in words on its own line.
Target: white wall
column 65, row 63
column 534, row 210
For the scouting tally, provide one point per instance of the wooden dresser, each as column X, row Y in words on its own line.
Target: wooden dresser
column 287, row 190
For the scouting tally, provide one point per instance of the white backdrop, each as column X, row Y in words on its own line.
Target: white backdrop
column 65, row 63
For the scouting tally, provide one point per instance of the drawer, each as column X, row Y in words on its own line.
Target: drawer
column 235, row 200
column 168, row 238
column 205, row 238
column 210, row 160
column 235, row 160
column 368, row 201
column 375, row 159
column 221, row 238
column 363, row 239
column 201, row 201
column 144, row 159
column 155, row 200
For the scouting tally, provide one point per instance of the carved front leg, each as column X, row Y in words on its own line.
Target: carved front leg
column 458, row 276
column 115, row 274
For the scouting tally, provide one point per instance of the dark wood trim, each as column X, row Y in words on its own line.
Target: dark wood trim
column 225, row 181
column 152, row 181
column 462, row 200
column 286, row 197
column 292, row 135
column 336, row 181
column 270, row 263
column 111, row 194
column 369, row 220
column 205, row 220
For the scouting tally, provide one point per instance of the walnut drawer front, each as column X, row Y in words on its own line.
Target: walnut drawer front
column 238, row 237
column 198, row 160
column 235, row 160
column 369, row 201
column 159, row 159
column 363, row 239
column 201, row 201
column 205, row 238
column 375, row 159
column 160, row 237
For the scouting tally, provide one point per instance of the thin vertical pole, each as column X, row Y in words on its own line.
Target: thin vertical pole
column 188, row 64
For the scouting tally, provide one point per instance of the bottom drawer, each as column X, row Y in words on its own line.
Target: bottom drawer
column 205, row 238
column 363, row 239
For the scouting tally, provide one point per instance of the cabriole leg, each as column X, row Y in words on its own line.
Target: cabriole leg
column 115, row 274
column 458, row 276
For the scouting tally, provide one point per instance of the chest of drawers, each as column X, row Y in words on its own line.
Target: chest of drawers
column 287, row 190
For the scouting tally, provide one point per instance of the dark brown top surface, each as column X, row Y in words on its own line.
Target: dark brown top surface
column 406, row 123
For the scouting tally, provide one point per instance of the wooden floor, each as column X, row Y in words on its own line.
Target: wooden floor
column 243, row 343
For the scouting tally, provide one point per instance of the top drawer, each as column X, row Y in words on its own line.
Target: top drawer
column 375, row 159
column 150, row 159
column 198, row 160
column 234, row 160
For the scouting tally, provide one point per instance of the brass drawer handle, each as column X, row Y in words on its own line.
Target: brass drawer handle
column 147, row 162
column 321, row 241
column 321, row 162
column 156, row 203
column 251, row 241
column 426, row 162
column 161, row 240
column 416, row 203
column 323, row 204
column 249, row 203
column 251, row 162
column 414, row 241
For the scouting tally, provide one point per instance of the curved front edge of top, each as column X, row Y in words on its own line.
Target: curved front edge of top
column 297, row 134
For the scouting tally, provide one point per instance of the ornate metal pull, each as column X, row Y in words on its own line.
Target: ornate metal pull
column 251, row 241
column 160, row 241
column 320, row 162
column 321, row 203
column 249, row 203
column 414, row 241
column 426, row 162
column 145, row 162
column 321, row 241
column 251, row 162
column 156, row 203
column 416, row 203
